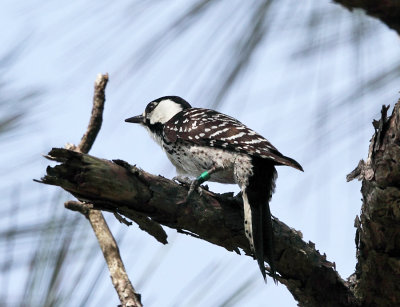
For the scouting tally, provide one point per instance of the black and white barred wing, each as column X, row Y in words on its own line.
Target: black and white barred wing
column 210, row 128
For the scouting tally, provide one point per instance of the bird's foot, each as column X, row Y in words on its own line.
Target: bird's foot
column 194, row 185
column 182, row 180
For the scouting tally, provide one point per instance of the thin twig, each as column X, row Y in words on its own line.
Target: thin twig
column 97, row 114
column 121, row 219
column 108, row 245
column 78, row 206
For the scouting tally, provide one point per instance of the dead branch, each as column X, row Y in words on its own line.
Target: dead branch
column 377, row 276
column 108, row 245
column 116, row 186
column 152, row 201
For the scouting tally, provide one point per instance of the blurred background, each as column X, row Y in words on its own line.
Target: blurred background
column 309, row 76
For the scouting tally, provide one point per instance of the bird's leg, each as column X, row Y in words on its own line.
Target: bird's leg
column 201, row 179
column 195, row 184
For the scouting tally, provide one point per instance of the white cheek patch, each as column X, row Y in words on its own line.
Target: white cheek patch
column 165, row 110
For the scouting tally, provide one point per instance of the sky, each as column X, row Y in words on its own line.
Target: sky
column 313, row 85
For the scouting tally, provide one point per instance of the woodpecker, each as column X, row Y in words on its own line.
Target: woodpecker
column 209, row 145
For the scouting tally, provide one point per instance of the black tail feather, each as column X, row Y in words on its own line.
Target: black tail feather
column 260, row 188
column 258, row 235
column 263, row 236
column 269, row 238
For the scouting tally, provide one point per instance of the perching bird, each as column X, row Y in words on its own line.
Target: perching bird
column 213, row 146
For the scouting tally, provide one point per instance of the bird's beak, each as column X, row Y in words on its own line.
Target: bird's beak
column 136, row 119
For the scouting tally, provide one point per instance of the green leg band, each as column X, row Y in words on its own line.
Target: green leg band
column 203, row 177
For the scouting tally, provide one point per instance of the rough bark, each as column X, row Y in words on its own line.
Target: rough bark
column 388, row 11
column 377, row 276
column 152, row 201
column 119, row 187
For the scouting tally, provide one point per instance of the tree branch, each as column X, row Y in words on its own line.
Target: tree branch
column 388, row 11
column 96, row 118
column 116, row 186
column 119, row 277
column 377, row 276
column 150, row 200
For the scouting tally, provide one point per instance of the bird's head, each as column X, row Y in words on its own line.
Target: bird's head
column 160, row 111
